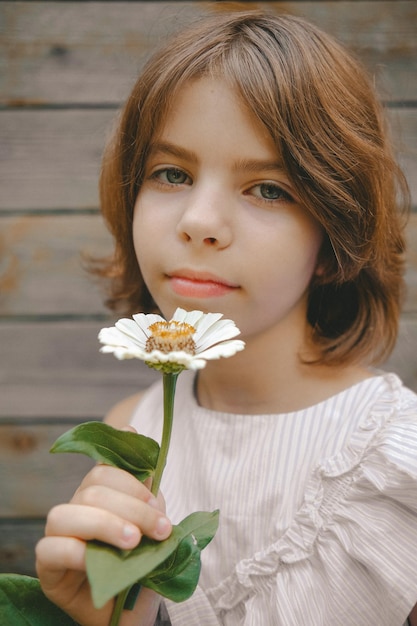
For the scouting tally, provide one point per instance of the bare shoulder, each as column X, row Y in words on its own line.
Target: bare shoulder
column 120, row 414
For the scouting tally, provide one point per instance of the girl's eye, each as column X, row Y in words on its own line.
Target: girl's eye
column 271, row 192
column 171, row 176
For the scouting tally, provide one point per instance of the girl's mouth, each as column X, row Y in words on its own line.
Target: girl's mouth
column 191, row 285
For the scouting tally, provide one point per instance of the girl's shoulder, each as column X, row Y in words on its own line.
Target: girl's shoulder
column 120, row 414
column 393, row 449
column 395, row 412
column 386, row 434
column 358, row 516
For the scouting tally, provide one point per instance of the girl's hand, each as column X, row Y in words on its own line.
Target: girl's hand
column 111, row 506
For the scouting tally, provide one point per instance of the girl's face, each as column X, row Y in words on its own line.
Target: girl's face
column 217, row 225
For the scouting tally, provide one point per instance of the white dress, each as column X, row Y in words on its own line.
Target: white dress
column 318, row 507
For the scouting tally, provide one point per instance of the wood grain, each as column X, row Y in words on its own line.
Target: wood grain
column 18, row 538
column 89, row 52
column 55, row 369
column 42, row 264
column 51, row 159
column 32, row 479
column 81, row 52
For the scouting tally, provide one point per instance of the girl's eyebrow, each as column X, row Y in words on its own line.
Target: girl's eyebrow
column 165, row 147
column 258, row 165
column 245, row 165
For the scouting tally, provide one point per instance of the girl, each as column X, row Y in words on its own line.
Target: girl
column 251, row 175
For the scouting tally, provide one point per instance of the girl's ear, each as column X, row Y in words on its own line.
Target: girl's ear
column 322, row 262
column 326, row 266
column 320, row 269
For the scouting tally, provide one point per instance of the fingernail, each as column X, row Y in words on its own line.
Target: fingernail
column 163, row 527
column 129, row 531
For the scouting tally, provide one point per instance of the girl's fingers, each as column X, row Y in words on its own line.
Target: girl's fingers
column 148, row 518
column 88, row 522
column 122, row 528
column 116, row 479
column 60, row 565
column 56, row 555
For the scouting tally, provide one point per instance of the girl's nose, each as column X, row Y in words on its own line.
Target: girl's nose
column 205, row 221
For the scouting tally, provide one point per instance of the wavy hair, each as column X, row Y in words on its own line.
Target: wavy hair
column 319, row 106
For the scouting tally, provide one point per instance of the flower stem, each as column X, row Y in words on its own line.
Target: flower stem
column 169, row 384
column 118, row 607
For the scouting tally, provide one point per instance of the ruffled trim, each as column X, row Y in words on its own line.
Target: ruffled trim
column 326, row 490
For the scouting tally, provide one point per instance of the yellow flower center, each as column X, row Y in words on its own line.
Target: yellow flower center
column 171, row 337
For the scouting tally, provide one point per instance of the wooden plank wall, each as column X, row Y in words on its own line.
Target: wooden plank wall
column 65, row 69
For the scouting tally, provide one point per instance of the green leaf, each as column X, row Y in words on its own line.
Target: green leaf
column 111, row 570
column 134, row 453
column 201, row 526
column 23, row 603
column 177, row 578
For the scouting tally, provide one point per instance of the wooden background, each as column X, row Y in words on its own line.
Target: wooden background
column 65, row 68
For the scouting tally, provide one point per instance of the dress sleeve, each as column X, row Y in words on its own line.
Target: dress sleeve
column 350, row 556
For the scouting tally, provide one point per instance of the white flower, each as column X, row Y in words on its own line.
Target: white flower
column 185, row 342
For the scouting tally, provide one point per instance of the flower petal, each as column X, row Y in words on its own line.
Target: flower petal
column 225, row 349
column 114, row 337
column 188, row 317
column 189, row 361
column 144, row 320
column 121, row 352
column 131, row 329
column 207, row 321
column 221, row 330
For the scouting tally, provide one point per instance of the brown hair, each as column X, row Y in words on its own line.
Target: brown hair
column 319, row 107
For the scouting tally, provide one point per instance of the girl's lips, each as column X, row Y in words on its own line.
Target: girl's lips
column 199, row 287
